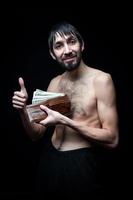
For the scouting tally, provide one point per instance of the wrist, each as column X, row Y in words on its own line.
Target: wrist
column 64, row 120
column 23, row 111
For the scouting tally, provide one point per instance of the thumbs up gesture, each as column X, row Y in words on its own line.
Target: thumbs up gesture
column 19, row 98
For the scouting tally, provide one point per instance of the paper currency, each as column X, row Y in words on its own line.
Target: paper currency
column 40, row 95
column 55, row 101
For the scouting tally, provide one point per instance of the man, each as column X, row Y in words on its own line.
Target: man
column 68, row 162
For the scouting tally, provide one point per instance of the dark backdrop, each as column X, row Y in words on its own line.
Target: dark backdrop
column 24, row 52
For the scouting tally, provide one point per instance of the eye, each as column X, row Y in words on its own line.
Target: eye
column 72, row 41
column 57, row 46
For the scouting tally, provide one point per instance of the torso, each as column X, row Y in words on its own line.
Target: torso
column 81, row 93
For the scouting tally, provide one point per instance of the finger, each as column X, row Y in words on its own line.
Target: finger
column 19, row 94
column 18, row 103
column 18, row 107
column 22, row 85
column 44, row 122
column 44, row 108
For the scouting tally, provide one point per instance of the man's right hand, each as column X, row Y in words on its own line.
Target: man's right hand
column 20, row 97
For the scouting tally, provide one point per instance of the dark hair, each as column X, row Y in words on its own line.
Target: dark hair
column 63, row 28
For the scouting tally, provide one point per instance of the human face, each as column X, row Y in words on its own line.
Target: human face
column 67, row 51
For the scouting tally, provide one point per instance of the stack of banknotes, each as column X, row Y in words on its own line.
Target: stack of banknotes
column 40, row 95
column 55, row 101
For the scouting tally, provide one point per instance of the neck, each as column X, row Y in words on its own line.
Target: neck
column 77, row 73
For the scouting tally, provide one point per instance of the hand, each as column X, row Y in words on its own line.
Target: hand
column 52, row 118
column 20, row 97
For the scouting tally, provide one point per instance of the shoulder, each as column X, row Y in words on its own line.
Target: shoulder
column 102, row 81
column 56, row 79
column 53, row 85
column 103, row 84
column 101, row 77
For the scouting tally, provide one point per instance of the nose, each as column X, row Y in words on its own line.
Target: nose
column 67, row 49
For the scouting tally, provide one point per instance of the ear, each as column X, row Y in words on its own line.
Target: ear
column 83, row 46
column 53, row 56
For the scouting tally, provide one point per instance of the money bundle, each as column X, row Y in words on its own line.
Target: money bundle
column 55, row 101
column 40, row 95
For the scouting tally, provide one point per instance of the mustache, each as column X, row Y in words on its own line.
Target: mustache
column 70, row 55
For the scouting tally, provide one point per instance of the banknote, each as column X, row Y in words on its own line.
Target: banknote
column 55, row 101
column 40, row 95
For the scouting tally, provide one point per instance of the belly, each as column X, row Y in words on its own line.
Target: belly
column 68, row 139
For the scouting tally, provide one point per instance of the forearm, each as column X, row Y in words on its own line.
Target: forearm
column 34, row 130
column 97, row 135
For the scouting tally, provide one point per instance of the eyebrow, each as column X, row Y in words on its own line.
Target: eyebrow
column 71, row 36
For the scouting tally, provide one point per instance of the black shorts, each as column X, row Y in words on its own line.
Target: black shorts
column 67, row 172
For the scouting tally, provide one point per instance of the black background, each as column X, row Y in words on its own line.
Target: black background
column 24, row 52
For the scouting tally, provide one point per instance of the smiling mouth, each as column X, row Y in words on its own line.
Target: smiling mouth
column 69, row 59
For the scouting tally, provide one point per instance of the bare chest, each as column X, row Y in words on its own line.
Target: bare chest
column 82, row 96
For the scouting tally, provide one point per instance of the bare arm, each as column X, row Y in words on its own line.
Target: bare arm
column 107, row 135
column 34, row 130
column 19, row 100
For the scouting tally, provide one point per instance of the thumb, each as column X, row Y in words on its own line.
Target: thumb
column 45, row 109
column 22, row 86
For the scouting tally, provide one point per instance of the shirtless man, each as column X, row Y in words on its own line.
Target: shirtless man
column 94, row 118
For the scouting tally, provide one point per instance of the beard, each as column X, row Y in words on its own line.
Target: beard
column 71, row 65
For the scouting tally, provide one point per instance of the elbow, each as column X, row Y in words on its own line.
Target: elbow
column 114, row 144
column 37, row 134
column 114, row 141
column 34, row 137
